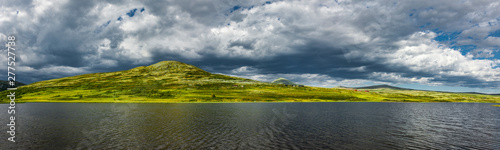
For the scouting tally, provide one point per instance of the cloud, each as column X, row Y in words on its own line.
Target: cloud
column 482, row 53
column 245, row 70
column 419, row 53
column 391, row 77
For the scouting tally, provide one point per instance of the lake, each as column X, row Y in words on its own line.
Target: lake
column 349, row 125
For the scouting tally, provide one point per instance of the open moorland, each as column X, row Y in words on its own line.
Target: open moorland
column 172, row 81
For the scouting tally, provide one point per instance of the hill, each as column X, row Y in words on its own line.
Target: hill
column 382, row 87
column 5, row 84
column 478, row 93
column 399, row 88
column 172, row 81
column 283, row 81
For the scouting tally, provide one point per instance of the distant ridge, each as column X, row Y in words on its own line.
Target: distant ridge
column 5, row 84
column 342, row 87
column 172, row 67
column 469, row 93
column 384, row 86
column 283, row 81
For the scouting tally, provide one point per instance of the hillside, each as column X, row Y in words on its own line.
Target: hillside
column 283, row 81
column 388, row 87
column 382, row 87
column 5, row 84
column 172, row 81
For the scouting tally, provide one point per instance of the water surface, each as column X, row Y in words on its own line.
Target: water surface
column 254, row 126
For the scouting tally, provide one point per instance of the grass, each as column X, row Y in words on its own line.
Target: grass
column 176, row 82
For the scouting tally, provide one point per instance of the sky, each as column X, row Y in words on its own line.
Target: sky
column 446, row 45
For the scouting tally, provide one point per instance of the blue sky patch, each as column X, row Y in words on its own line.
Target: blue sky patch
column 142, row 9
column 495, row 33
column 120, row 18
column 132, row 12
column 464, row 49
column 235, row 8
column 497, row 56
column 447, row 36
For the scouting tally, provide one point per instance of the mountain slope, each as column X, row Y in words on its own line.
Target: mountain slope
column 382, row 87
column 283, row 81
column 5, row 84
column 399, row 88
column 162, row 73
column 144, row 81
column 172, row 81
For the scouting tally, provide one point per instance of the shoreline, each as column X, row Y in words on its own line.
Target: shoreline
column 156, row 102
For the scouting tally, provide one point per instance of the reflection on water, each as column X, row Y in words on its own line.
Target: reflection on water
column 255, row 126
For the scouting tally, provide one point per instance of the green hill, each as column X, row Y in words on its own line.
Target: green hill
column 283, row 81
column 382, row 87
column 5, row 84
column 172, row 81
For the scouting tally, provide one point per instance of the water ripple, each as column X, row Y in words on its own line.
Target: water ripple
column 257, row 126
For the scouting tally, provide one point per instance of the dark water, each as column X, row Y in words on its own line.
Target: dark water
column 254, row 126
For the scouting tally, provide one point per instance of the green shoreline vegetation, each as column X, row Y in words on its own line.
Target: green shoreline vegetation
column 176, row 82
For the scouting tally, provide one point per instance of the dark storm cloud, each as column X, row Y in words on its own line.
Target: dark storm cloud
column 244, row 44
column 321, row 43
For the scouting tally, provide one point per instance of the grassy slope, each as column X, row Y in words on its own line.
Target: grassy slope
column 171, row 81
column 283, row 81
column 5, row 84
